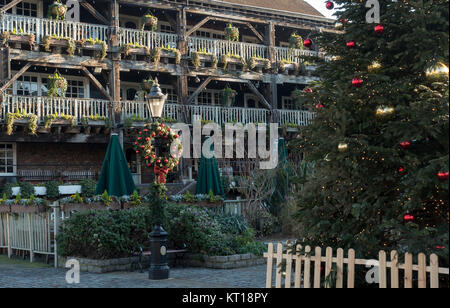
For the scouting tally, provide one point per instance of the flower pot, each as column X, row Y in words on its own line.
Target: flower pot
column 28, row 208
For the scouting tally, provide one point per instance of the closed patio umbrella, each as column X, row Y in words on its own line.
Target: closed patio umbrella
column 209, row 177
column 115, row 176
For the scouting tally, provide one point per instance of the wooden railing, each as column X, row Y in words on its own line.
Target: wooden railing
column 293, row 55
column 42, row 27
column 79, row 108
column 222, row 47
column 148, row 39
column 304, row 270
column 43, row 106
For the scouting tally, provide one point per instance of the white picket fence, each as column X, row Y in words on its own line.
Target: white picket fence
column 308, row 270
column 148, row 39
column 33, row 233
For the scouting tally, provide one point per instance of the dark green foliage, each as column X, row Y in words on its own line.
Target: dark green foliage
column 232, row 224
column 356, row 198
column 52, row 189
column 26, row 190
column 7, row 190
column 88, row 187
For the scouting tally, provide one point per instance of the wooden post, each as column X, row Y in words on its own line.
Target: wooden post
column 287, row 279
column 351, row 269
column 30, row 237
column 269, row 266
column 115, row 59
column 56, row 218
column 434, row 272
column 298, row 268
column 422, row 277
column 408, row 270
column 279, row 261
column 394, row 269
column 307, row 275
column 317, row 262
column 382, row 269
column 8, row 232
column 340, row 268
column 328, row 262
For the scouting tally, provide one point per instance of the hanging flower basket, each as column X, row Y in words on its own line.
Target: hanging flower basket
column 232, row 33
column 150, row 21
column 57, row 11
column 56, row 85
column 147, row 84
column 295, row 41
column 227, row 97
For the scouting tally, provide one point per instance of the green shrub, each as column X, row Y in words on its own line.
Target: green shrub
column 232, row 224
column 26, row 190
column 7, row 190
column 52, row 189
column 88, row 188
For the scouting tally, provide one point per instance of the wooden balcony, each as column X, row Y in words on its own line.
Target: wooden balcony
column 85, row 108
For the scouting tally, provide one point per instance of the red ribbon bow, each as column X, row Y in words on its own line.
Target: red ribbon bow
column 161, row 172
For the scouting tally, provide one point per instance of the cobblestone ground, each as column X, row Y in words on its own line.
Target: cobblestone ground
column 22, row 275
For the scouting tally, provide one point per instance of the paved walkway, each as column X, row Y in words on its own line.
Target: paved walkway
column 20, row 274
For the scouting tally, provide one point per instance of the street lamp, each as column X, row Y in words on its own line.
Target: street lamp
column 159, row 268
column 156, row 100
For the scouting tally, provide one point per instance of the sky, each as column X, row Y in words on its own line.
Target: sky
column 320, row 6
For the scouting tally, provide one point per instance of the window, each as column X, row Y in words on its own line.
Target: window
column 131, row 94
column 27, row 9
column 27, row 85
column 218, row 36
column 130, row 25
column 7, row 158
column 165, row 28
column 288, row 103
column 205, row 98
column 172, row 97
column 251, row 101
column 199, row 33
column 75, row 88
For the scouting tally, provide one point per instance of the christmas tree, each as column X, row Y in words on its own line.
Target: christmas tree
column 380, row 138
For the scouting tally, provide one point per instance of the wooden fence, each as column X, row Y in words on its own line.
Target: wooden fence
column 32, row 233
column 304, row 270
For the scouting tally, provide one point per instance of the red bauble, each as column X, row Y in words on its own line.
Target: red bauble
column 142, row 146
column 442, row 175
column 137, row 152
column 176, row 136
column 440, row 247
column 351, row 44
column 329, row 5
column 307, row 43
column 146, row 157
column 149, row 165
column 139, row 138
column 162, row 124
column 408, row 217
column 309, row 90
column 166, row 161
column 135, row 143
column 379, row 29
column 165, row 136
column 153, row 134
column 319, row 106
column 158, row 161
column 153, row 155
column 147, row 139
column 401, row 170
column 357, row 82
column 405, row 144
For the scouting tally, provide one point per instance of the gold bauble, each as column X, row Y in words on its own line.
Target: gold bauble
column 342, row 147
column 336, row 58
column 384, row 112
column 438, row 72
column 374, row 67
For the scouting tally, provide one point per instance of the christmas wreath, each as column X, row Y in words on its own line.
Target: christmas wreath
column 159, row 147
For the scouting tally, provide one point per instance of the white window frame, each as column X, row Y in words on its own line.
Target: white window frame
column 123, row 19
column 40, row 76
column 214, row 101
column 248, row 96
column 283, row 102
column 38, row 4
column 14, row 148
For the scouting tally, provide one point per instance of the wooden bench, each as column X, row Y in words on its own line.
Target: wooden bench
column 179, row 254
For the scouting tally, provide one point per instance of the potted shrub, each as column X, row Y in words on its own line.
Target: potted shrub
column 227, row 97
column 30, row 205
column 56, row 85
column 232, row 33
column 57, row 11
column 129, row 202
column 295, row 41
column 147, row 84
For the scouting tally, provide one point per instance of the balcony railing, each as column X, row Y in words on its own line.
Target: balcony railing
column 43, row 106
column 222, row 47
column 80, row 108
column 42, row 27
column 293, row 55
column 148, row 39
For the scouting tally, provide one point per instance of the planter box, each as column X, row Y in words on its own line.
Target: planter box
column 96, row 123
column 62, row 122
column 223, row 262
column 79, row 207
column 5, row 208
column 23, row 40
column 15, row 208
column 38, row 190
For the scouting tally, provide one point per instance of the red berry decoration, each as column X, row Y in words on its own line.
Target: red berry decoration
column 166, row 161
column 351, row 44
column 153, row 155
column 408, row 217
column 357, row 82
column 137, row 152
column 176, row 136
column 442, row 175
column 440, row 247
column 319, row 106
column 307, row 43
column 149, row 165
column 162, row 124
column 329, row 5
column 405, row 144
column 140, row 133
column 147, row 139
column 379, row 29
column 308, row 90
column 401, row 170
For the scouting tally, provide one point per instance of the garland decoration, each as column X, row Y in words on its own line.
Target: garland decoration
column 158, row 135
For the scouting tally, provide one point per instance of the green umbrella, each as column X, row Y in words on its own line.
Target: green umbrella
column 209, row 177
column 115, row 177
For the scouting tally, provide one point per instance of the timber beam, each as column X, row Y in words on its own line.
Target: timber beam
column 257, row 93
column 15, row 77
column 97, row 84
column 199, row 89
column 94, row 12
column 9, row 6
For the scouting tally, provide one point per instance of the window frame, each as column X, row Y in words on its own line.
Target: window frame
column 14, row 149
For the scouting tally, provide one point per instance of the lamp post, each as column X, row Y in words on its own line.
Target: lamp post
column 158, row 237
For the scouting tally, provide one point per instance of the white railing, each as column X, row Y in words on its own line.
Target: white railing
column 43, row 106
column 139, row 109
column 223, row 115
column 293, row 55
column 148, row 39
column 298, row 117
column 42, row 27
column 222, row 47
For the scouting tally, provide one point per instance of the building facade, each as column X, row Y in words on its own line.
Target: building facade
column 105, row 50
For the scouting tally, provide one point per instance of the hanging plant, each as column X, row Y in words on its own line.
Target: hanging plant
column 150, row 21
column 56, row 85
column 147, row 84
column 228, row 97
column 32, row 121
column 232, row 33
column 295, row 41
column 57, row 11
column 156, row 55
